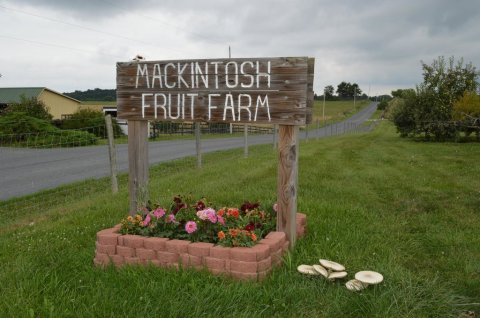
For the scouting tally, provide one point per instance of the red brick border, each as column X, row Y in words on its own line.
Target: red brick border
column 243, row 263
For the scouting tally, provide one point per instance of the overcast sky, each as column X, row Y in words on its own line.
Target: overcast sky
column 74, row 45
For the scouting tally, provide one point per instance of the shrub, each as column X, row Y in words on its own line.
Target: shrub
column 21, row 123
column 92, row 121
column 429, row 110
column 23, row 130
column 31, row 107
column 382, row 105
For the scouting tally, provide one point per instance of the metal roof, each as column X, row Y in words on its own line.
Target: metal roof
column 10, row 95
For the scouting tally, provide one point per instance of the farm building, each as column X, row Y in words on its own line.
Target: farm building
column 59, row 105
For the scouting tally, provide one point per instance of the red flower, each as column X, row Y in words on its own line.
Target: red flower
column 200, row 205
column 250, row 227
column 248, row 206
column 233, row 212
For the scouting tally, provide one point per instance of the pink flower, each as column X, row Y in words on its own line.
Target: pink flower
column 212, row 217
column 220, row 220
column 158, row 213
column 275, row 207
column 171, row 218
column 208, row 213
column 147, row 220
column 190, row 227
column 202, row 215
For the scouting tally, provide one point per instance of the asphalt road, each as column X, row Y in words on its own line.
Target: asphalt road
column 25, row 171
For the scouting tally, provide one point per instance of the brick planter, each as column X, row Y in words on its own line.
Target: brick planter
column 244, row 263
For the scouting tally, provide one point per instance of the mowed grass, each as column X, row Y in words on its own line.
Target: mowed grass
column 336, row 111
column 374, row 201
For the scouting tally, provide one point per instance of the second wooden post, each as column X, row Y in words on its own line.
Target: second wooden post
column 287, row 181
column 137, row 163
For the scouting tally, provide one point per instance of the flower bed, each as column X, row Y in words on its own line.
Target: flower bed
column 245, row 263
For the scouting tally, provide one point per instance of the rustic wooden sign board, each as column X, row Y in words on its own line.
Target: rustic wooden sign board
column 252, row 90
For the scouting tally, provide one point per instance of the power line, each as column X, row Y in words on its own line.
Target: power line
column 84, row 27
column 165, row 23
column 59, row 46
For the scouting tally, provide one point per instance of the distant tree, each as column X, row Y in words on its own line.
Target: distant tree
column 31, row 107
column 343, row 89
column 96, row 94
column 348, row 90
column 329, row 91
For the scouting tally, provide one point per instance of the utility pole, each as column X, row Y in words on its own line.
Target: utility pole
column 354, row 94
column 230, row 56
column 323, row 108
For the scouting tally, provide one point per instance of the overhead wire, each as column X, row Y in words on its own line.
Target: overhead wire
column 165, row 23
column 58, row 46
column 84, row 27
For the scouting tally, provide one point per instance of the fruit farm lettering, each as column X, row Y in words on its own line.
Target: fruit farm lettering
column 255, row 90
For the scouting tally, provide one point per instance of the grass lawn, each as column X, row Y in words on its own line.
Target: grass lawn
column 409, row 210
column 336, row 111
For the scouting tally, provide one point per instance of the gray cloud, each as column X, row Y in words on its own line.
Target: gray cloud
column 373, row 42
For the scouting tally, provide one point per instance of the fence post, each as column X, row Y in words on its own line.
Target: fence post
column 112, row 153
column 245, row 141
column 198, row 145
column 287, row 182
column 306, row 132
column 318, row 128
column 137, row 163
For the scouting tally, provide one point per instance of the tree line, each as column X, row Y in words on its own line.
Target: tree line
column 97, row 94
column 345, row 90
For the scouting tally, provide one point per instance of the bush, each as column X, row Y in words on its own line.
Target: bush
column 91, row 121
column 23, row 130
column 429, row 110
column 31, row 107
column 382, row 105
column 21, row 123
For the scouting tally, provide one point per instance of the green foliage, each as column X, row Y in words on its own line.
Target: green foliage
column 466, row 112
column 92, row 121
column 23, row 130
column 31, row 107
column 428, row 111
column 468, row 106
column 96, row 94
column 400, row 111
column 403, row 93
column 21, row 123
column 329, row 91
column 348, row 90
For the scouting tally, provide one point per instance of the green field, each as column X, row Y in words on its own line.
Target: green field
column 336, row 111
column 409, row 210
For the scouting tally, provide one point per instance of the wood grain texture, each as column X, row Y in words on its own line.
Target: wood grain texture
column 137, row 163
column 287, row 181
column 112, row 153
column 287, row 83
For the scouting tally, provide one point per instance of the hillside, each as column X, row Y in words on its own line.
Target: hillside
column 96, row 94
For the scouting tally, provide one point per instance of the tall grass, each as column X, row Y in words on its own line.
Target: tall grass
column 374, row 201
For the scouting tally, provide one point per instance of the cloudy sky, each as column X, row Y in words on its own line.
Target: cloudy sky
column 379, row 44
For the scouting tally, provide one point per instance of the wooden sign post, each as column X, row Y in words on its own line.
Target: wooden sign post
column 243, row 91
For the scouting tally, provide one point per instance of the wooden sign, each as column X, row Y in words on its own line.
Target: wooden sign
column 253, row 90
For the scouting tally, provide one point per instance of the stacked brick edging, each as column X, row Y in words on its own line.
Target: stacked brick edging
column 245, row 263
